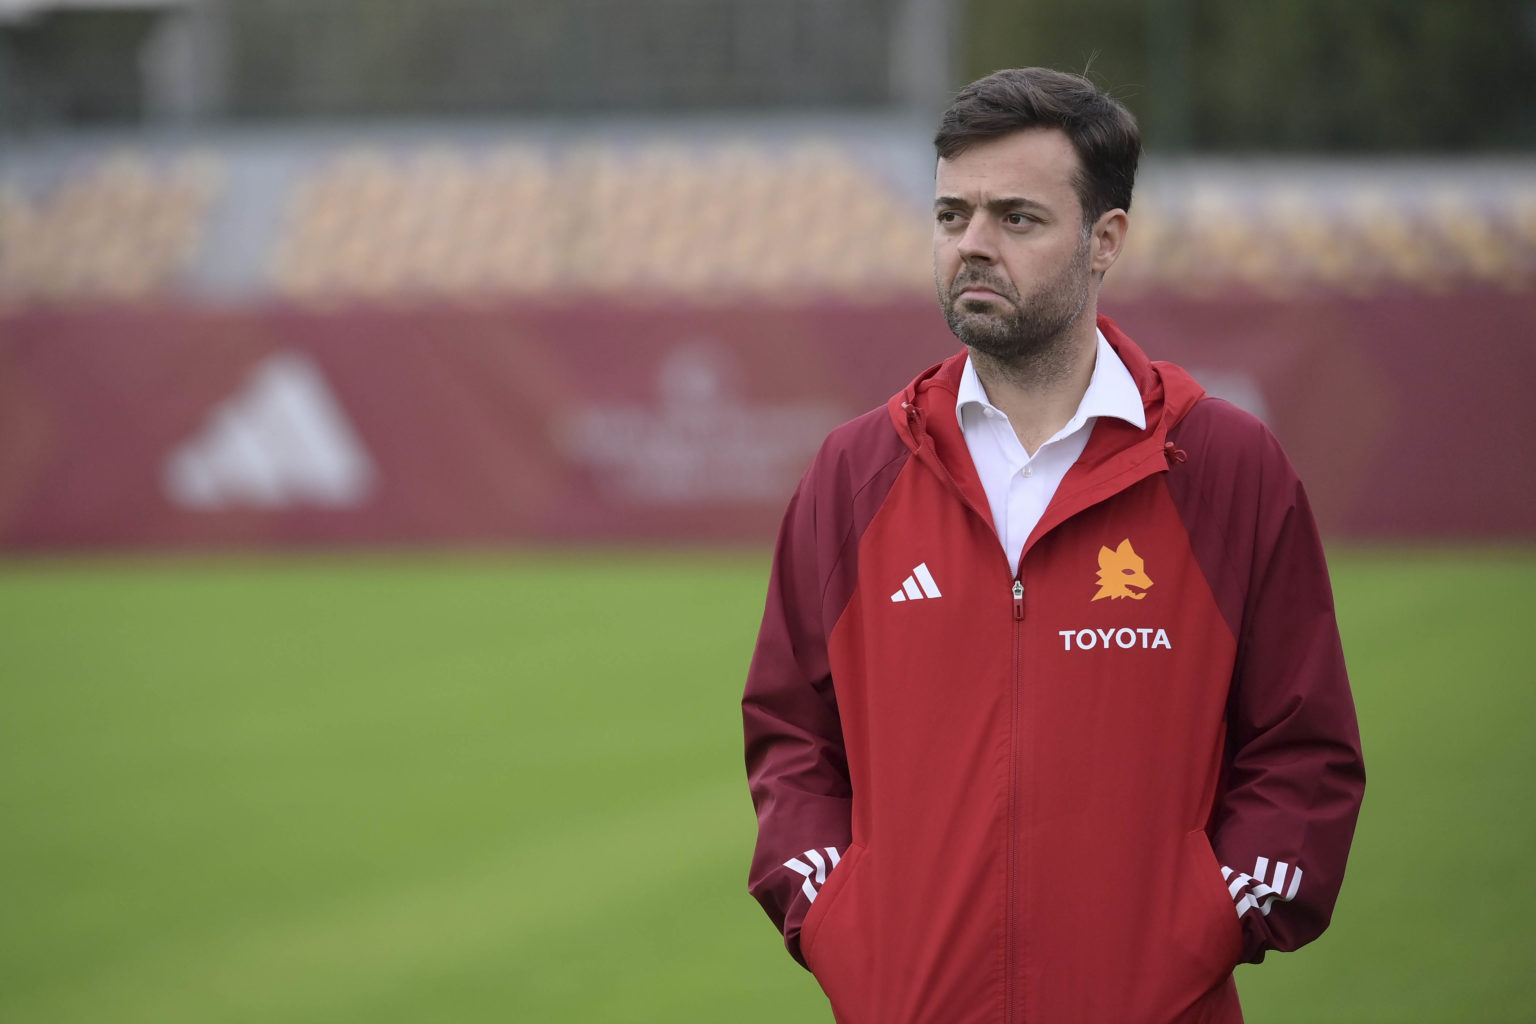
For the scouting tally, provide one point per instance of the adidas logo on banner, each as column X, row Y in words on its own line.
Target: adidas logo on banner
column 282, row 441
column 917, row 586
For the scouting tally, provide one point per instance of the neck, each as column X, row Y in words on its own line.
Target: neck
column 1040, row 390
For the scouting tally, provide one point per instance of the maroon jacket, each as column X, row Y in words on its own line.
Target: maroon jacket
column 1083, row 793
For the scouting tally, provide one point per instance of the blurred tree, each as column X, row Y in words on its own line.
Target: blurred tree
column 1366, row 75
column 389, row 57
column 1341, row 75
column 74, row 65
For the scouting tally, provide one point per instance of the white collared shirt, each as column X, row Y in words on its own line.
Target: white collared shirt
column 1018, row 486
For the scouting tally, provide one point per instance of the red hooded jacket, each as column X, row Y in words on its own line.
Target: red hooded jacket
column 1079, row 793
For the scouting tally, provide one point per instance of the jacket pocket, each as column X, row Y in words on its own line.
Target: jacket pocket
column 1201, row 940
column 1210, row 933
column 833, row 947
column 836, row 882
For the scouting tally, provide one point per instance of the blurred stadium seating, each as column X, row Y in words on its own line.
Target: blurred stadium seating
column 744, row 217
column 121, row 225
column 661, row 217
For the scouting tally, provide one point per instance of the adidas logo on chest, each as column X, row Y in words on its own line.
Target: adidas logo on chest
column 918, row 587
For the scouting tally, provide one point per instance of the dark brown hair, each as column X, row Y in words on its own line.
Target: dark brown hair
column 1104, row 134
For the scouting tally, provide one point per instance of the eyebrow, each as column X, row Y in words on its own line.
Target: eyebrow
column 999, row 205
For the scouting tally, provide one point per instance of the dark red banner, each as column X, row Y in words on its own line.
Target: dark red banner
column 1408, row 416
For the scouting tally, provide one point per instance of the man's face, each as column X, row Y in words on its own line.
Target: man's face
column 1012, row 261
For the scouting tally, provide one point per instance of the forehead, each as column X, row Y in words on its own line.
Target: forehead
column 1038, row 163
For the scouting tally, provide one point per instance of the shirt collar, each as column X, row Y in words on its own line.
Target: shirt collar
column 1111, row 392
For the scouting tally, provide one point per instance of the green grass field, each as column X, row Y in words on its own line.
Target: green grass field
column 509, row 788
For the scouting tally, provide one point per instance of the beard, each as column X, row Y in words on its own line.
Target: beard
column 1025, row 331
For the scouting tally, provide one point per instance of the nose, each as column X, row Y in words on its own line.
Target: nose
column 979, row 243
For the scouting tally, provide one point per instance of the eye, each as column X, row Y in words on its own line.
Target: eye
column 1128, row 572
column 1018, row 220
column 949, row 216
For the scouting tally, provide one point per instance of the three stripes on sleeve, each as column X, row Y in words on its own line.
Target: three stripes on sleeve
column 819, row 872
column 1250, row 891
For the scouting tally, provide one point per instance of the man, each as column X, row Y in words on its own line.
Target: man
column 1048, row 718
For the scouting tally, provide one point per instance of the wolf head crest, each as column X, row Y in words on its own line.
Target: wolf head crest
column 1119, row 571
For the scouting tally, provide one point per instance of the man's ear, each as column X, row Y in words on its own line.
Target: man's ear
column 1108, row 239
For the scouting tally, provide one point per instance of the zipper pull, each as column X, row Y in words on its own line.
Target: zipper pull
column 1018, row 600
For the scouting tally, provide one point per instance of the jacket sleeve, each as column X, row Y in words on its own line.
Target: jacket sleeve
column 1294, row 775
column 796, row 766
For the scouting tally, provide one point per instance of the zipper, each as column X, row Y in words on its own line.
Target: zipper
column 1010, row 917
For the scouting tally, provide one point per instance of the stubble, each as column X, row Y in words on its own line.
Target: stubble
column 1026, row 339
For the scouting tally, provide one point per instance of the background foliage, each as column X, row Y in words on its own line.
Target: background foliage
column 1361, row 76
